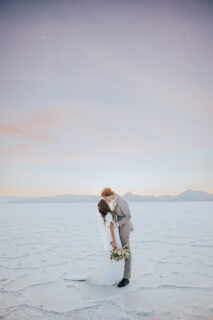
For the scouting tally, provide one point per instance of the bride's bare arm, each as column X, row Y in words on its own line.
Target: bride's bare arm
column 113, row 235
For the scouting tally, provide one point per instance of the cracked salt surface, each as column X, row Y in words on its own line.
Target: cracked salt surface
column 172, row 263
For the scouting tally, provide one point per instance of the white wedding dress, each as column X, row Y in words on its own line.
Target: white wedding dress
column 108, row 272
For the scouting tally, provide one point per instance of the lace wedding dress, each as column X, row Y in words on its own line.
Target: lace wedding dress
column 108, row 272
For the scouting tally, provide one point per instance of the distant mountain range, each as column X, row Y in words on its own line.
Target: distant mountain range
column 188, row 195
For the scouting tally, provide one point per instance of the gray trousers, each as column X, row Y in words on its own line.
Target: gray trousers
column 124, row 232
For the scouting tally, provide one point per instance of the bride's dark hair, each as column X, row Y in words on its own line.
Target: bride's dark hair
column 104, row 208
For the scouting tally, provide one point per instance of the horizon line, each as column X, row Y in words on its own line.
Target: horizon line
column 87, row 194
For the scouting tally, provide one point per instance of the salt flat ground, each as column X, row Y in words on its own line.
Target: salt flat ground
column 172, row 263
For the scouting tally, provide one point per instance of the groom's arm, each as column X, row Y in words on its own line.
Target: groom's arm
column 125, row 209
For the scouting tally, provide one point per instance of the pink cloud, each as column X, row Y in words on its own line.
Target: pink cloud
column 37, row 126
column 16, row 149
column 78, row 156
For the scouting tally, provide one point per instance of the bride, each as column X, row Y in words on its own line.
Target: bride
column 108, row 272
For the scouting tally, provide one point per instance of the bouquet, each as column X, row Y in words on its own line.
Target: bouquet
column 118, row 254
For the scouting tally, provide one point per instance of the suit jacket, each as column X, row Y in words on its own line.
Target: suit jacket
column 122, row 211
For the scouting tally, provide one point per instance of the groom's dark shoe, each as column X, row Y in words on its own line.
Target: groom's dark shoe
column 124, row 282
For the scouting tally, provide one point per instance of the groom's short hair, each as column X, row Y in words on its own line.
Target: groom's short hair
column 107, row 192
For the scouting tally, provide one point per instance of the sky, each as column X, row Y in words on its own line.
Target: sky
column 101, row 94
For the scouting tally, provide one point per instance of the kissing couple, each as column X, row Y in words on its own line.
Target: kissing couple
column 114, row 222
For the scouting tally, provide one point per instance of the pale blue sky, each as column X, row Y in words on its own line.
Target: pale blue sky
column 105, row 93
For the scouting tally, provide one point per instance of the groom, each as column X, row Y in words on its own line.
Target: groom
column 121, row 210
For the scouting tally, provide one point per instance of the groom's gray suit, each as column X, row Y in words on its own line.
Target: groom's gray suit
column 121, row 209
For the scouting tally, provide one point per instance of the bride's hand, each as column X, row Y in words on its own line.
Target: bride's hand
column 114, row 245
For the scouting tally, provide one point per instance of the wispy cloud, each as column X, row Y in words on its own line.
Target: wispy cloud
column 16, row 149
column 79, row 156
column 37, row 126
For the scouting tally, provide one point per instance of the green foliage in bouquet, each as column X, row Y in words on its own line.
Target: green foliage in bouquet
column 118, row 254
